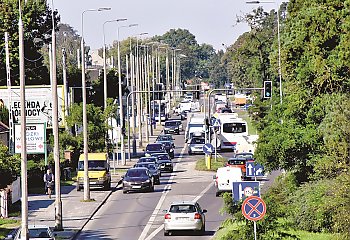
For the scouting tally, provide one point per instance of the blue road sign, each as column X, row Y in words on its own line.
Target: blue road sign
column 217, row 122
column 253, row 208
column 208, row 148
column 242, row 190
column 254, row 169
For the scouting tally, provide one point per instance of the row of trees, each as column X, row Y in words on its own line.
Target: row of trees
column 308, row 134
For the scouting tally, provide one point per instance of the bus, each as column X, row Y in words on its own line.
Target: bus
column 232, row 132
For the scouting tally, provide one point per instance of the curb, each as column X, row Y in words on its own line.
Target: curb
column 95, row 211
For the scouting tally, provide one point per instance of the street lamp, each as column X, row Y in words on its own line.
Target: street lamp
column 86, row 148
column 121, row 112
column 279, row 43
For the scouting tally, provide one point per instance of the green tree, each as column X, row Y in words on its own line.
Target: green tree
column 37, row 26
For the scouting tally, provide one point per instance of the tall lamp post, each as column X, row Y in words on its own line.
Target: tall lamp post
column 85, row 132
column 279, row 43
column 24, row 181
column 121, row 112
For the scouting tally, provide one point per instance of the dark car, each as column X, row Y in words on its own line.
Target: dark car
column 169, row 148
column 165, row 137
column 166, row 165
column 138, row 179
column 154, row 148
column 171, row 126
column 153, row 168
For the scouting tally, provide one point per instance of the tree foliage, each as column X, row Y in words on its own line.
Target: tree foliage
column 37, row 23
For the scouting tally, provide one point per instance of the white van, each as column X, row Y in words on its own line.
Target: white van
column 224, row 178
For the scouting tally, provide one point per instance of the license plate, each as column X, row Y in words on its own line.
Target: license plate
column 182, row 218
column 92, row 182
column 136, row 186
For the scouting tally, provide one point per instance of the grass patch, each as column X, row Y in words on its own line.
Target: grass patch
column 230, row 225
column 6, row 226
column 200, row 164
column 90, row 200
column 245, row 116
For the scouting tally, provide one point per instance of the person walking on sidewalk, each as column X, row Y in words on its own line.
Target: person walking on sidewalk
column 49, row 182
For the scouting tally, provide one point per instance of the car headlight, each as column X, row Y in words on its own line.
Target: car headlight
column 147, row 181
column 80, row 178
column 102, row 178
column 171, row 150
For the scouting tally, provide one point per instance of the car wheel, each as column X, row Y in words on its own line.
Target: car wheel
column 151, row 189
column 166, row 233
column 189, row 153
column 203, row 229
column 217, row 194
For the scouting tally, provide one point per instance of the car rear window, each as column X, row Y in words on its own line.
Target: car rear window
column 198, row 141
column 186, row 208
column 38, row 233
column 236, row 162
column 154, row 147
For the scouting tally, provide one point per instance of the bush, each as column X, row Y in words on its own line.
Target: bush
column 322, row 206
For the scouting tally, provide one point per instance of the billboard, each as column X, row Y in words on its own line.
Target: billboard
column 38, row 104
column 36, row 137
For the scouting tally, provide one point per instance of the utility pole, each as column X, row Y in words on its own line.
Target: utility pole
column 24, row 181
column 56, row 152
column 65, row 87
column 9, row 87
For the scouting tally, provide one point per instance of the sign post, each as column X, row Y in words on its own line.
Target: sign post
column 208, row 150
column 254, row 209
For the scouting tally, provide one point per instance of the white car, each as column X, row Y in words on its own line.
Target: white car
column 35, row 232
column 224, row 178
column 186, row 215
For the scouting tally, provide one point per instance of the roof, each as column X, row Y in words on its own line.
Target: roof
column 183, row 202
column 3, row 127
column 94, row 156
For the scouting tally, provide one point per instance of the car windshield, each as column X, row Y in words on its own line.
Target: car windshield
column 171, row 124
column 234, row 128
column 150, row 159
column 94, row 165
column 185, row 208
column 136, row 173
column 154, row 147
column 151, row 167
column 164, row 138
column 39, row 233
column 198, row 141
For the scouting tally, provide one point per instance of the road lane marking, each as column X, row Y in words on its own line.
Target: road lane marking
column 161, row 200
column 155, row 232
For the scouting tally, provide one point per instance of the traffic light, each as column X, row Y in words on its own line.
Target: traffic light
column 267, row 89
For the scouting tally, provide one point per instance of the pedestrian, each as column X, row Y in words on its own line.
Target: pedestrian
column 48, row 180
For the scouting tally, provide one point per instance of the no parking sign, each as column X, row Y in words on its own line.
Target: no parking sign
column 254, row 209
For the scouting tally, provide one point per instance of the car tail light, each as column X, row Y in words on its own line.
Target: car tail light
column 167, row 216
column 197, row 216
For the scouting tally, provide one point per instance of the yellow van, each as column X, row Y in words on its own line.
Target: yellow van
column 99, row 174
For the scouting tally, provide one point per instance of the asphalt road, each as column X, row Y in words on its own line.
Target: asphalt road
column 140, row 215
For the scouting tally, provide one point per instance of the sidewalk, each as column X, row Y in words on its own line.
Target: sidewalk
column 76, row 213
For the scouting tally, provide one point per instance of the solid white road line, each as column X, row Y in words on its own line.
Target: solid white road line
column 161, row 200
column 155, row 232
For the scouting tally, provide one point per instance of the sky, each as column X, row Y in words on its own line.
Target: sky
column 210, row 21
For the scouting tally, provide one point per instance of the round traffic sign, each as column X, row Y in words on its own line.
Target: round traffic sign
column 253, row 208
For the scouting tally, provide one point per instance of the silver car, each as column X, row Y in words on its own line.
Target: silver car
column 35, row 232
column 196, row 146
column 186, row 215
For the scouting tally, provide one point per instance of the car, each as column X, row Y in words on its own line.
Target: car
column 171, row 126
column 237, row 162
column 137, row 179
column 34, row 232
column 186, row 215
column 224, row 178
column 154, row 148
column 153, row 168
column 148, row 159
column 166, row 165
column 165, row 137
column 169, row 148
column 196, row 145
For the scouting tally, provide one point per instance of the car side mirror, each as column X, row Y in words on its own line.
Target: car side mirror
column 204, row 211
column 214, row 177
